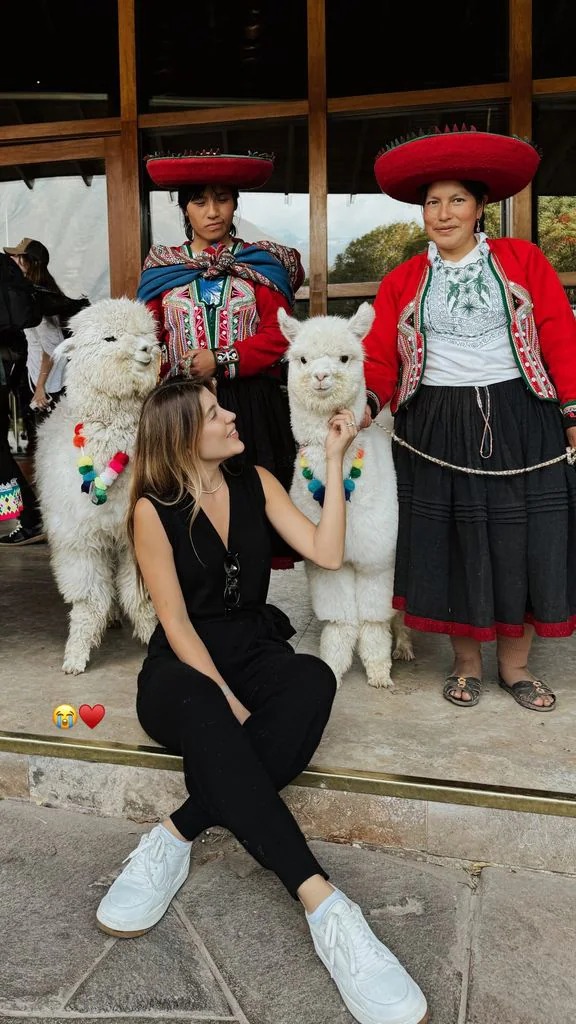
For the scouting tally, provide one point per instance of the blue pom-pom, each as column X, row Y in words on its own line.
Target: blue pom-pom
column 314, row 486
column 349, row 485
column 85, row 487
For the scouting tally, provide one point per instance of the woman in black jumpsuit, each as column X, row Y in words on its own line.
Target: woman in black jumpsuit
column 222, row 686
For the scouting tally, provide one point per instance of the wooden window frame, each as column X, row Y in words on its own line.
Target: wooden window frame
column 117, row 141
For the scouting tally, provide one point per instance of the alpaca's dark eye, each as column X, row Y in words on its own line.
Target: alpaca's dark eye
column 343, row 359
column 111, row 338
column 303, row 359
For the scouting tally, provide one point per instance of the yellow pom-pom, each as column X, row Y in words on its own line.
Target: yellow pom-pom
column 84, row 460
column 358, row 463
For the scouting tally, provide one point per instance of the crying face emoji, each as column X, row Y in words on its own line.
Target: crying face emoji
column 64, row 716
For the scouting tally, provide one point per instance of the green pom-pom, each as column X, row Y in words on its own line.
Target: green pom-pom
column 307, row 473
column 355, row 472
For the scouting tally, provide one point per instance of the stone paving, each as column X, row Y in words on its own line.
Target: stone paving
column 488, row 945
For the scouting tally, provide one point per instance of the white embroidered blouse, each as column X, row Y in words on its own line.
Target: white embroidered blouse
column 465, row 323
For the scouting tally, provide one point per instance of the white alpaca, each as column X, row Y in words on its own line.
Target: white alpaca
column 114, row 360
column 325, row 375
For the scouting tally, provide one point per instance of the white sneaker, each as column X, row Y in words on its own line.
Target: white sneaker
column 142, row 893
column 373, row 984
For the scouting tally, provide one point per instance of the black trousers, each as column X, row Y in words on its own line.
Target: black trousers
column 233, row 772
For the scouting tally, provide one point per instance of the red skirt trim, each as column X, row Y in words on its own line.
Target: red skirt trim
column 484, row 633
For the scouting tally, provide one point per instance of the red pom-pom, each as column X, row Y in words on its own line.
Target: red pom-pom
column 122, row 458
column 78, row 428
column 79, row 441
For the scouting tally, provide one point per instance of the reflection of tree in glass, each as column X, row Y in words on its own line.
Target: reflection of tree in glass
column 557, row 231
column 372, row 255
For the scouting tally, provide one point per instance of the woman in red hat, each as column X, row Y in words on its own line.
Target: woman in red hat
column 474, row 346
column 216, row 300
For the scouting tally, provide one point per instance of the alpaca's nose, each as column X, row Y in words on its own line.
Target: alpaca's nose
column 145, row 345
column 320, row 375
column 143, row 352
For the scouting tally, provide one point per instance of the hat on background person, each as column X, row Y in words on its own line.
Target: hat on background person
column 32, row 249
column 505, row 164
column 210, row 167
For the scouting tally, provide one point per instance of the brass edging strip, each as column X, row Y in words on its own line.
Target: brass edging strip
column 408, row 787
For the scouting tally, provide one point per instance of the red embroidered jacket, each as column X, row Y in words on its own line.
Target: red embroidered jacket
column 257, row 352
column 542, row 327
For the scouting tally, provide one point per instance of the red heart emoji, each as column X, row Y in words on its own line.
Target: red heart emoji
column 91, row 715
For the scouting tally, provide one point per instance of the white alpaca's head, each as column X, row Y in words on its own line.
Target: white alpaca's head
column 326, row 361
column 113, row 353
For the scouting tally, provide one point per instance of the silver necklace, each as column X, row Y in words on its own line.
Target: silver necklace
column 217, row 488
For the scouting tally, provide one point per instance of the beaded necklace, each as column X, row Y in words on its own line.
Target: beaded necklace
column 317, row 488
column 94, row 484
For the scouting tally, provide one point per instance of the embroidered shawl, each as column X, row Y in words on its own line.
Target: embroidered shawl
column 276, row 266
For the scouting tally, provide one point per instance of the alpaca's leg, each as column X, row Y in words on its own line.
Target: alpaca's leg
column 375, row 650
column 337, row 643
column 402, row 636
column 84, row 578
column 133, row 597
column 115, row 615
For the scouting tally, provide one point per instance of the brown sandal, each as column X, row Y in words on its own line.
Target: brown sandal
column 526, row 691
column 466, row 684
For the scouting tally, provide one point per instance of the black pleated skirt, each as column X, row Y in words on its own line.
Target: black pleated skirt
column 263, row 423
column 479, row 556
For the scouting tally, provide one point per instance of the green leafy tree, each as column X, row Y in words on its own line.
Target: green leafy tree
column 372, row 255
column 557, row 231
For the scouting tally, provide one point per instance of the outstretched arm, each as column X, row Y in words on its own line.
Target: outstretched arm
column 324, row 543
column 156, row 561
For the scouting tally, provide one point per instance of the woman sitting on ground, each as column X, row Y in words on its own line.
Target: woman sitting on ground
column 222, row 687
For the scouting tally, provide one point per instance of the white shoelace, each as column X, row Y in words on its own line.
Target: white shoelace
column 149, row 855
column 351, row 930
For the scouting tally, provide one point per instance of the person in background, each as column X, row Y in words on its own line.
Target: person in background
column 43, row 383
column 222, row 687
column 216, row 300
column 474, row 345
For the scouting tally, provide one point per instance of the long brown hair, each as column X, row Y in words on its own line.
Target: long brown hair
column 166, row 461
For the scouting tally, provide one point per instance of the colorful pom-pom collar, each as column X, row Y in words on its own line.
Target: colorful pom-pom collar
column 96, row 484
column 210, row 167
column 317, row 488
column 505, row 164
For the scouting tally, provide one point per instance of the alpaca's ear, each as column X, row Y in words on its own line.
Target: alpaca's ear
column 63, row 349
column 288, row 325
column 362, row 320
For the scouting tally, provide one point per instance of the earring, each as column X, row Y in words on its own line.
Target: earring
column 477, row 226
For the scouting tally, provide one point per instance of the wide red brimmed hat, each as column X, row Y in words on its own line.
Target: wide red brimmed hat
column 504, row 163
column 210, row 167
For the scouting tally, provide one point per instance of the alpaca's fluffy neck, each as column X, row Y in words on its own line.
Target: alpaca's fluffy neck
column 311, row 428
column 109, row 421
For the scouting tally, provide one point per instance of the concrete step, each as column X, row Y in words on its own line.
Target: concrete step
column 475, row 823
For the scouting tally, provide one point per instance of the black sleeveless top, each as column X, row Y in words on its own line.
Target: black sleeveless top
column 232, row 635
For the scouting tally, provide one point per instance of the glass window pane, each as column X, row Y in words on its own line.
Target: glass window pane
column 220, row 54
column 370, row 233
column 554, row 123
column 63, row 205
column 553, row 32
column 458, row 42
column 47, row 77
column 278, row 212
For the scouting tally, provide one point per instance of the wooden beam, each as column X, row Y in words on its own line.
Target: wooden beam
column 553, row 86
column 124, row 206
column 398, row 101
column 47, row 152
column 219, row 115
column 59, row 130
column 317, row 156
column 520, row 59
